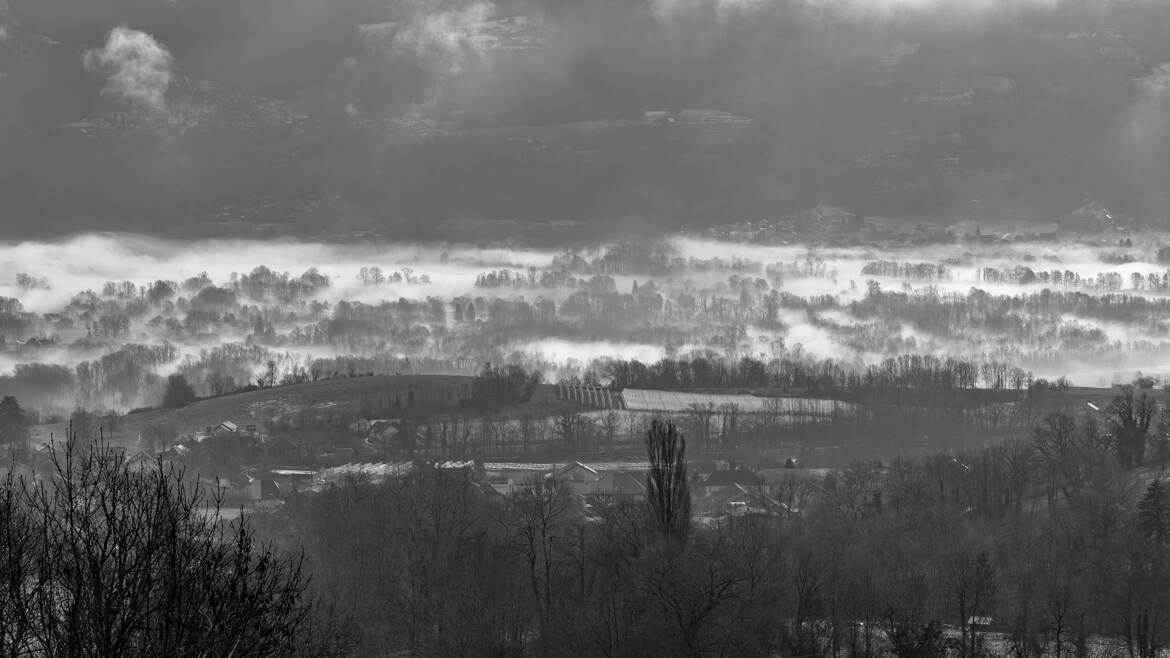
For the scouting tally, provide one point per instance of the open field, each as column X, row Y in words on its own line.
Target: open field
column 649, row 400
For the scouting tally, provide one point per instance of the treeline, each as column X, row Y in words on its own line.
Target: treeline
column 498, row 386
column 376, row 276
column 911, row 271
column 124, row 378
column 809, row 268
column 646, row 257
column 544, row 279
column 261, row 284
column 1024, row 275
column 906, row 371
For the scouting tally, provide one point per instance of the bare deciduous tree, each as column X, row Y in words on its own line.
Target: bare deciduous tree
column 105, row 559
column 667, row 488
column 1133, row 416
column 538, row 517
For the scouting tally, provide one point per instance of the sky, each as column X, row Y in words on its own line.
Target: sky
column 410, row 112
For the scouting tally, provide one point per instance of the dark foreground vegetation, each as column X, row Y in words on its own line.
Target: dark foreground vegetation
column 100, row 558
column 1048, row 546
column 1052, row 546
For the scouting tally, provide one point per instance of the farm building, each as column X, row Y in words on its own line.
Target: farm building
column 586, row 481
column 141, row 460
column 620, row 484
column 263, row 489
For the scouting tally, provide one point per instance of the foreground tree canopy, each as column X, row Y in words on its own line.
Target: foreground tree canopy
column 102, row 558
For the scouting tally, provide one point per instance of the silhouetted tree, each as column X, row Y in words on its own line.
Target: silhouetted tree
column 667, row 488
column 83, row 423
column 106, row 559
column 1133, row 415
column 538, row 516
column 13, row 422
column 179, row 392
column 1151, row 583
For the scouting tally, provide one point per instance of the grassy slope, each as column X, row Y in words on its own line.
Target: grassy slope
column 358, row 397
column 351, row 396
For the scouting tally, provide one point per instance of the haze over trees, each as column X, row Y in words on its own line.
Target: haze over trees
column 691, row 322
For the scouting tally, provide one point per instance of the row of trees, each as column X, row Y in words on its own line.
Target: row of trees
column 902, row 270
column 544, row 280
column 498, row 386
column 914, row 371
column 1103, row 281
column 376, row 276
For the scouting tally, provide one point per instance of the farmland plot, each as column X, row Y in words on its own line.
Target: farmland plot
column 650, row 400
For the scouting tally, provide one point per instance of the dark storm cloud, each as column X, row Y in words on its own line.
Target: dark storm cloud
column 831, row 86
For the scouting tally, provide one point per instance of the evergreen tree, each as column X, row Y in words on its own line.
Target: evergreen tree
column 1154, row 515
column 13, row 422
column 179, row 392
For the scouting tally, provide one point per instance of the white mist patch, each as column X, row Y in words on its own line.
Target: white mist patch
column 86, row 262
column 443, row 39
column 814, row 340
column 843, row 318
column 564, row 352
column 702, row 249
column 675, row 9
column 448, row 40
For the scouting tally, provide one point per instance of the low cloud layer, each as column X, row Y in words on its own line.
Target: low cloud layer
column 1150, row 119
column 672, row 9
column 446, row 40
column 138, row 68
column 4, row 20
